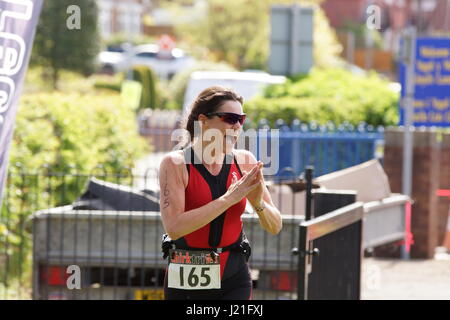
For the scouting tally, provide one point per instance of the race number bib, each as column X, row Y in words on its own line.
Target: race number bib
column 193, row 270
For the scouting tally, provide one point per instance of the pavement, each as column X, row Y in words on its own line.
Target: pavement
column 395, row 279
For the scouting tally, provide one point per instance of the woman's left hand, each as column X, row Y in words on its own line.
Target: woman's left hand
column 269, row 218
column 256, row 196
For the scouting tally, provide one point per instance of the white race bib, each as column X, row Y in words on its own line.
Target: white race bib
column 193, row 270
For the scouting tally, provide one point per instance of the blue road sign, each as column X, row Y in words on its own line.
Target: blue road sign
column 432, row 83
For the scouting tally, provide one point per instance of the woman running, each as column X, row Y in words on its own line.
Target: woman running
column 204, row 189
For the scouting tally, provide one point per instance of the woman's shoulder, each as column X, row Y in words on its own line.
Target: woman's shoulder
column 174, row 163
column 244, row 158
column 173, row 159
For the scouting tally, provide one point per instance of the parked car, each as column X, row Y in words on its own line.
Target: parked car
column 112, row 60
column 165, row 63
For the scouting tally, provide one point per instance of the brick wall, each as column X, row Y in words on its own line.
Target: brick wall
column 444, row 203
column 340, row 12
column 430, row 172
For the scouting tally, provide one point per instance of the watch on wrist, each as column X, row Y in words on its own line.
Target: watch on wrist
column 260, row 208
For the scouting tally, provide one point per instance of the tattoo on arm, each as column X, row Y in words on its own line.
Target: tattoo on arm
column 166, row 193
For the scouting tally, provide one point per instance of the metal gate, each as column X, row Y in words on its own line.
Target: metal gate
column 330, row 246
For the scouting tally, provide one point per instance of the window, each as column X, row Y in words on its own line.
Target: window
column 130, row 19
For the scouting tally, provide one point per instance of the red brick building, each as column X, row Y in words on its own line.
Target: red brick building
column 430, row 16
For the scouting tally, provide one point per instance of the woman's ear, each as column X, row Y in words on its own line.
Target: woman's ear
column 202, row 118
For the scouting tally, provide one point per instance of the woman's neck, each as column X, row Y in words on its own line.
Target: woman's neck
column 207, row 153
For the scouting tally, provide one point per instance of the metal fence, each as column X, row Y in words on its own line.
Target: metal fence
column 53, row 220
column 326, row 147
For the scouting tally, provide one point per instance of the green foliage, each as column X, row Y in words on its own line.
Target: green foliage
column 107, row 82
column 328, row 95
column 326, row 47
column 148, row 79
column 152, row 81
column 233, row 31
column 71, row 132
column 238, row 32
column 56, row 47
column 360, row 32
column 60, row 129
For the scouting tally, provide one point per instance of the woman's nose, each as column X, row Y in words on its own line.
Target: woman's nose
column 237, row 126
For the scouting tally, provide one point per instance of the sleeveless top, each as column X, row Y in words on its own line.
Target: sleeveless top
column 204, row 187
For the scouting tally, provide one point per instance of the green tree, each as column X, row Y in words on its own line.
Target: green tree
column 237, row 31
column 62, row 44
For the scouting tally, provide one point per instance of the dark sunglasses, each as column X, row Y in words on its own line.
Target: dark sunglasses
column 229, row 117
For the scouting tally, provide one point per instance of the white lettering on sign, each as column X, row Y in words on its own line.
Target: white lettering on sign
column 12, row 49
column 25, row 14
column 8, row 88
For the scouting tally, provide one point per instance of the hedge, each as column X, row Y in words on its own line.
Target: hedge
column 333, row 95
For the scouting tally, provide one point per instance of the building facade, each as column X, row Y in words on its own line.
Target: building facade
column 122, row 16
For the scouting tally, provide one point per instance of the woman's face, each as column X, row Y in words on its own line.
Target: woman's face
column 228, row 132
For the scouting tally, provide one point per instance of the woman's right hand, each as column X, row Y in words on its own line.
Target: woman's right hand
column 239, row 188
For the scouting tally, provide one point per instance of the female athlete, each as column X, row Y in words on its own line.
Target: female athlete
column 204, row 189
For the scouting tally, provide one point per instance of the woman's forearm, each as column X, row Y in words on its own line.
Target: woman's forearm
column 192, row 220
column 270, row 219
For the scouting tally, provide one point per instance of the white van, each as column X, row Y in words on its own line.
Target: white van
column 247, row 84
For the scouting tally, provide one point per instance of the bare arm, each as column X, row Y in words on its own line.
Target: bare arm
column 269, row 218
column 179, row 223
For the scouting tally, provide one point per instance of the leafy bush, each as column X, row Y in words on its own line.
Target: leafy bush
column 71, row 130
column 72, row 133
column 78, row 129
column 148, row 79
column 70, row 82
column 153, row 80
column 108, row 82
column 82, row 130
column 328, row 95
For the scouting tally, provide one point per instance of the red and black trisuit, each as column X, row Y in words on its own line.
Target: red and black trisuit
column 225, row 231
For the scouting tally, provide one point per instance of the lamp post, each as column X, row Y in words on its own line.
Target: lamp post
column 408, row 56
